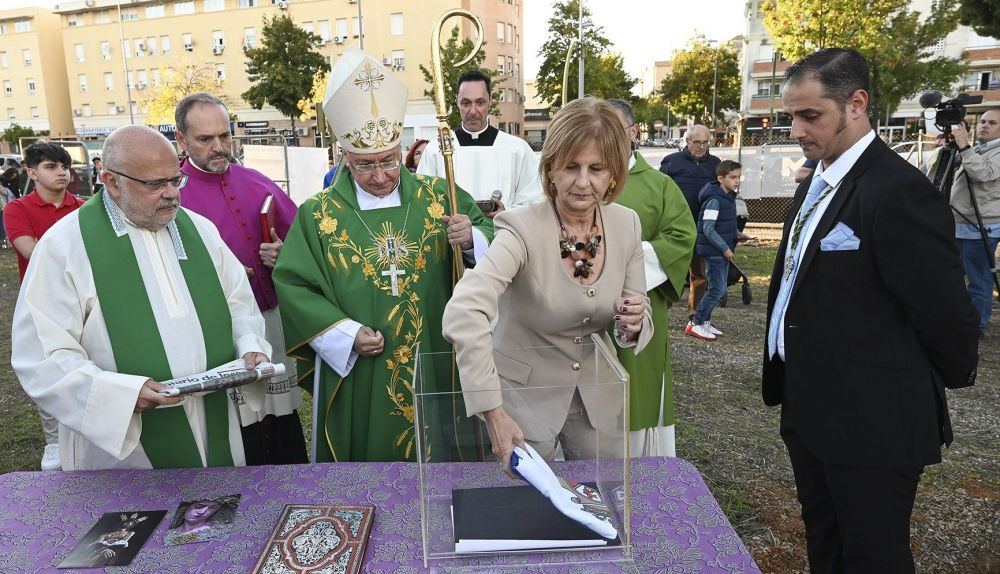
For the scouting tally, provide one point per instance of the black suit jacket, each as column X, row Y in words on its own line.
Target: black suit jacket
column 873, row 336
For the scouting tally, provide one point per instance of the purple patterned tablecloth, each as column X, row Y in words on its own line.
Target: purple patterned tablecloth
column 677, row 526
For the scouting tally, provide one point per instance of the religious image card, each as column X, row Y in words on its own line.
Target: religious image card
column 202, row 519
column 114, row 540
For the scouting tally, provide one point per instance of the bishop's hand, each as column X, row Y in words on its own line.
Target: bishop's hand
column 368, row 342
column 459, row 230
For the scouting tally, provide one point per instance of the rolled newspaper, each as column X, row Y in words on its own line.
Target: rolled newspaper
column 226, row 376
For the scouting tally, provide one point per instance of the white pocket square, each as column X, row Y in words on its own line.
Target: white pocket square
column 840, row 238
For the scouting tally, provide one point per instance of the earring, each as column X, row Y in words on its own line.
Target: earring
column 613, row 183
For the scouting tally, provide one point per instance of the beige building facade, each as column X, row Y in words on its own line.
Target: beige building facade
column 33, row 72
column 115, row 63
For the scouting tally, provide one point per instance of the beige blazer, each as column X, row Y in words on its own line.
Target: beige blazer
column 543, row 335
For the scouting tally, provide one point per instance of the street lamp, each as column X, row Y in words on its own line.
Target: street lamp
column 128, row 84
column 579, row 79
column 715, row 82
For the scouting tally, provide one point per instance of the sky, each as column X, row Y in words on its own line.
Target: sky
column 648, row 31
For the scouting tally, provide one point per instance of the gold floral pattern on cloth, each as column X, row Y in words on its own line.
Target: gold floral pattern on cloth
column 405, row 319
column 374, row 134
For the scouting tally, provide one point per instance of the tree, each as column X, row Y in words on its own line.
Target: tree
column 648, row 110
column 452, row 53
column 896, row 41
column 603, row 73
column 689, row 87
column 13, row 134
column 982, row 15
column 307, row 106
column 178, row 81
column 282, row 69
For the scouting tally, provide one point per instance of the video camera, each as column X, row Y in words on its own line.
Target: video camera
column 949, row 113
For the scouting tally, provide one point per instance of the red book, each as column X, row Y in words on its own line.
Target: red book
column 318, row 537
column 267, row 217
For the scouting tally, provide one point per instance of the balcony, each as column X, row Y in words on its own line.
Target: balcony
column 763, row 103
column 991, row 95
column 976, row 57
column 763, row 67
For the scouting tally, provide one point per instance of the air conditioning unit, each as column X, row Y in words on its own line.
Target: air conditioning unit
column 283, row 4
column 35, row 115
column 386, row 61
column 322, row 41
column 77, row 112
column 217, row 50
column 109, row 88
column 247, row 47
column 339, row 39
column 79, row 59
column 352, row 1
column 119, row 109
column 83, row 88
column 189, row 47
column 302, row 131
column 13, row 117
column 140, row 86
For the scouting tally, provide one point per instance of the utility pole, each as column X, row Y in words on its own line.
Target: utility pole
column 715, row 86
column 128, row 84
column 579, row 81
column 361, row 28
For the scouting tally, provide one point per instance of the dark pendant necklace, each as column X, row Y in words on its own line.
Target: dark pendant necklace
column 581, row 252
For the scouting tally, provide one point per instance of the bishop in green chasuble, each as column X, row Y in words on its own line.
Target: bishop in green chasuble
column 363, row 278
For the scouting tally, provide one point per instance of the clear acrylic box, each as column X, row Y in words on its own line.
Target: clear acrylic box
column 454, row 452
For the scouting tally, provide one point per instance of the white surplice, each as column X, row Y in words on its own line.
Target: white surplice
column 62, row 354
column 509, row 165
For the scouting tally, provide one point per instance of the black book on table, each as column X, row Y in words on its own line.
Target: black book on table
column 515, row 518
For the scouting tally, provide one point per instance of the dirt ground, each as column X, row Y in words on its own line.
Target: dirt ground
column 725, row 429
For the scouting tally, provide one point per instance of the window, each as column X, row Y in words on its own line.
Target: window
column 140, row 47
column 218, row 41
column 34, row 111
column 78, row 50
column 500, row 63
column 341, row 24
column 517, row 70
column 514, row 35
column 398, row 60
column 248, row 3
column 22, row 26
column 106, row 50
column 323, row 27
column 308, row 27
column 142, row 79
column 220, row 72
column 510, row 66
column 31, row 86
column 355, row 27
column 3, row 28
column 127, row 48
column 87, row 111
column 396, row 24
column 165, row 44
column 155, row 11
column 129, row 15
column 249, row 38
column 109, row 81
column 154, row 75
column 73, row 20
column 500, row 30
column 11, row 114
column 102, row 17
column 215, row 5
column 766, row 52
column 503, row 97
column 112, row 109
column 130, row 79
column 8, row 88
column 188, row 42
column 151, row 45
column 939, row 47
column 26, row 57
column 82, row 81
column 183, row 7
column 510, row 33
column 4, row 62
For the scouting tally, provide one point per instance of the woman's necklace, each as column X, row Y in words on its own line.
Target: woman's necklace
column 581, row 252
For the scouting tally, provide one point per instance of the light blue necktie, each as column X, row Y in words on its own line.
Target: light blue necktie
column 790, row 268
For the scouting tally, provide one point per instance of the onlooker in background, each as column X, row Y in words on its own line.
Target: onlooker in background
column 7, row 179
column 10, row 180
column 982, row 165
column 26, row 219
column 413, row 156
column 95, row 175
column 718, row 233
column 232, row 196
column 25, row 183
column 692, row 168
column 330, row 174
column 668, row 235
column 804, row 172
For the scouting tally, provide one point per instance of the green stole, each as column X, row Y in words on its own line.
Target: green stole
column 166, row 435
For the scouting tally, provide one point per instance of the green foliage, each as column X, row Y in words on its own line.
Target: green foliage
column 14, row 133
column 688, row 89
column 648, row 110
column 982, row 15
column 896, row 41
column 452, row 53
column 282, row 69
column 603, row 72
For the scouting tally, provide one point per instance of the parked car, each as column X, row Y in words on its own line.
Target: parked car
column 9, row 160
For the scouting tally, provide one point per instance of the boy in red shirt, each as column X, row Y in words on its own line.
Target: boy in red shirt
column 26, row 219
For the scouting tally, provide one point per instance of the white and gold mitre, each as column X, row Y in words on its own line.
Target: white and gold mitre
column 364, row 104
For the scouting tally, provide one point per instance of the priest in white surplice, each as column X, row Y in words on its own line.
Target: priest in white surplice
column 129, row 290
column 486, row 159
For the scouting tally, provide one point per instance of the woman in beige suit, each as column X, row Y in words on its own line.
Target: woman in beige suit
column 556, row 273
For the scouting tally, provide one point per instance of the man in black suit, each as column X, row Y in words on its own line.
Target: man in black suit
column 868, row 322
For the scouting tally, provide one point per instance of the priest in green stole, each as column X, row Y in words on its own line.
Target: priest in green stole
column 363, row 278
column 127, row 291
column 668, row 235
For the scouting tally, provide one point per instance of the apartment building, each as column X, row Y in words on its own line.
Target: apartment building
column 763, row 73
column 33, row 72
column 117, row 53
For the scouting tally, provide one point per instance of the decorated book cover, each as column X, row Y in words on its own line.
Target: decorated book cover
column 310, row 538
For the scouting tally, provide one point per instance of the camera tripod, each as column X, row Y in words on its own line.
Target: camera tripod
column 944, row 176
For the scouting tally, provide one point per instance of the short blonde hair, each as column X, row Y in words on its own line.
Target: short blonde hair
column 574, row 126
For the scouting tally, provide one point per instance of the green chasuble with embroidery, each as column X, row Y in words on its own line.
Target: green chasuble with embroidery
column 668, row 226
column 335, row 265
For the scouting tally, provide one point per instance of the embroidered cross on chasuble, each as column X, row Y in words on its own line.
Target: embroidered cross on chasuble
column 389, row 269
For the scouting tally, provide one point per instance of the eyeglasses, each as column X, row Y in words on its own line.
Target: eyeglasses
column 367, row 167
column 700, row 143
column 156, row 185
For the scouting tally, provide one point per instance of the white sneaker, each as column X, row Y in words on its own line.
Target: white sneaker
column 50, row 458
column 713, row 330
column 699, row 331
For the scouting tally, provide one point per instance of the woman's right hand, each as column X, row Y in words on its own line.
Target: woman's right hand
column 505, row 434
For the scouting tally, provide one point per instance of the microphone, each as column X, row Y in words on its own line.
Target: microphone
column 930, row 99
column 496, row 195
